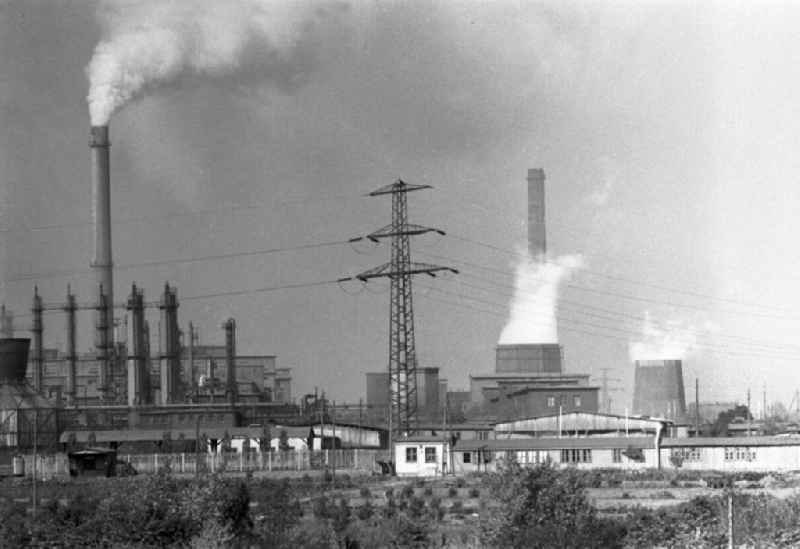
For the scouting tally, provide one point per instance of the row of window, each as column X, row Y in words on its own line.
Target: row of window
column 580, row 455
column 576, row 456
column 735, row 453
column 576, row 401
column 430, row 454
column 740, row 454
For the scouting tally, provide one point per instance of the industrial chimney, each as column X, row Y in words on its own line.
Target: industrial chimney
column 537, row 231
column 101, row 214
column 230, row 359
column 138, row 375
column 170, row 347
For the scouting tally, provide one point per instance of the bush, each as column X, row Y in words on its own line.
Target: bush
column 546, row 505
column 389, row 492
column 460, row 482
column 474, row 492
column 457, row 508
column 365, row 492
column 428, row 491
column 407, row 491
column 365, row 511
column 436, row 509
column 452, row 491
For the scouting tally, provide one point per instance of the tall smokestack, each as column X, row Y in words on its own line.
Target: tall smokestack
column 537, row 231
column 101, row 213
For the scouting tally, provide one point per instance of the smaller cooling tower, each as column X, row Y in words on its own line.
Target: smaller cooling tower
column 658, row 389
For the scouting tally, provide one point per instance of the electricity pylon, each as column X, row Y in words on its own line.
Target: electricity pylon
column 399, row 270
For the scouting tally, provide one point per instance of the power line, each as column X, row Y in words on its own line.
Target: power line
column 616, row 315
column 624, row 279
column 628, row 333
column 55, row 274
column 151, row 218
column 620, row 295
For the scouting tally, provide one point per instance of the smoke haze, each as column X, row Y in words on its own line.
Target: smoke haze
column 149, row 44
column 673, row 341
column 533, row 309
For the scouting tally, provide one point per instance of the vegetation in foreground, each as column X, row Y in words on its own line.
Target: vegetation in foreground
column 520, row 507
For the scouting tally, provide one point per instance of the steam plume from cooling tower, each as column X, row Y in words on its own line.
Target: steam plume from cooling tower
column 674, row 341
column 152, row 44
column 535, row 302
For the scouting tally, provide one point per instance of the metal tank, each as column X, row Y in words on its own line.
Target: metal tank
column 13, row 359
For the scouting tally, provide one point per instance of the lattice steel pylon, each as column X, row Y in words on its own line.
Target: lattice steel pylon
column 399, row 270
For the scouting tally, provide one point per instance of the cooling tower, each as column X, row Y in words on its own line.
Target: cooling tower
column 528, row 358
column 658, row 389
column 537, row 232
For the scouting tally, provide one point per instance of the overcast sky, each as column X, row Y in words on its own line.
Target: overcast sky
column 668, row 132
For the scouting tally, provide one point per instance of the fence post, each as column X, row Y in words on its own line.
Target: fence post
column 241, row 461
column 269, row 460
column 183, row 462
column 155, row 463
column 355, row 458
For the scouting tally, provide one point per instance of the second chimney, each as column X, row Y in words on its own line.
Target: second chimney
column 537, row 231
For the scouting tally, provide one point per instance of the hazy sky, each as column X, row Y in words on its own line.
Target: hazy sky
column 667, row 130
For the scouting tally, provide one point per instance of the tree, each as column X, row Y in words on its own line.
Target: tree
column 720, row 427
column 545, row 507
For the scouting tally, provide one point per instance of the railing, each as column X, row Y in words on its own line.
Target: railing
column 349, row 460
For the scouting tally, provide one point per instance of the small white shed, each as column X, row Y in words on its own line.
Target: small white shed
column 421, row 456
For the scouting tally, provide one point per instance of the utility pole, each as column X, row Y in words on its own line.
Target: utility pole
column 333, row 439
column 192, row 377
column 696, row 407
column 35, row 454
column 749, row 413
column 399, row 270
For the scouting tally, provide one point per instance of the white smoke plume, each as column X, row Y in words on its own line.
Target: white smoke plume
column 535, row 302
column 674, row 341
column 153, row 44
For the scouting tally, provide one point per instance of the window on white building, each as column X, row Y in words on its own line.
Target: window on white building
column 576, row 401
column 576, row 456
column 430, row 454
column 466, row 457
column 551, row 402
column 617, row 456
column 411, row 455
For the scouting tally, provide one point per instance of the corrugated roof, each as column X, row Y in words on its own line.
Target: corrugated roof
column 555, row 443
column 419, row 438
column 730, row 441
column 582, row 421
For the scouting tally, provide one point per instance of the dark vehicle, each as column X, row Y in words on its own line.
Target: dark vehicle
column 92, row 462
